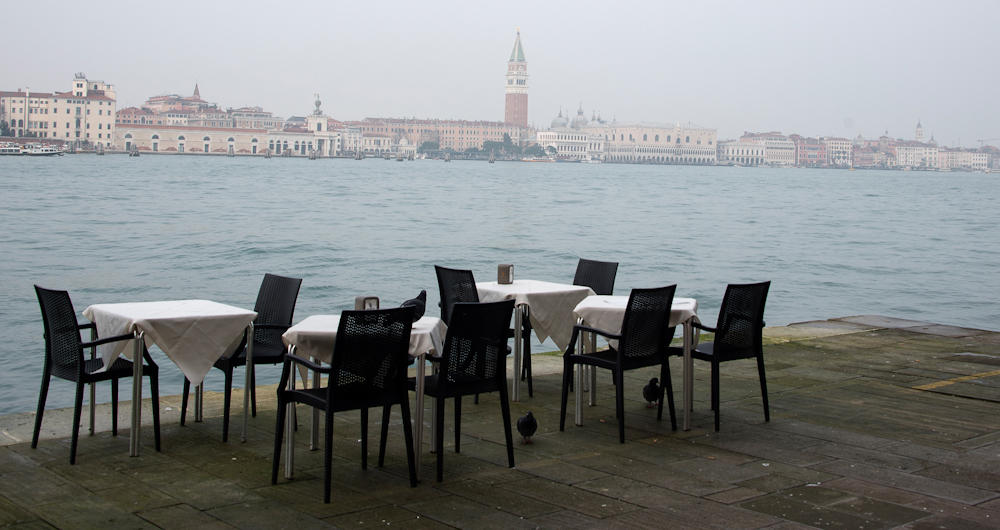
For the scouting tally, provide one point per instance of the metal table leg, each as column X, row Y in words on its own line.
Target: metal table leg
column 518, row 322
column 580, row 370
column 418, row 430
column 134, row 435
column 199, row 402
column 249, row 382
column 688, row 380
column 93, row 390
column 315, row 425
column 593, row 371
column 290, row 429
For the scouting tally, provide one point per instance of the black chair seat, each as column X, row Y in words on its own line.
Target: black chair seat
column 433, row 387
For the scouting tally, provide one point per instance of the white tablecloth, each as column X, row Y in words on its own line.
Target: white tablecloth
column 606, row 313
column 192, row 333
column 316, row 335
column 551, row 304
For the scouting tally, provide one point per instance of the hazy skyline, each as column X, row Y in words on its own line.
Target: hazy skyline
column 833, row 69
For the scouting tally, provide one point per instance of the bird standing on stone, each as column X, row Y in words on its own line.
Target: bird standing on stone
column 651, row 392
column 527, row 425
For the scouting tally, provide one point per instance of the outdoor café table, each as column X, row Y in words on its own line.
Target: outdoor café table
column 315, row 337
column 192, row 333
column 549, row 306
column 607, row 313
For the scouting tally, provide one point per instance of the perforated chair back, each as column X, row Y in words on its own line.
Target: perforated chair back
column 62, row 334
column 647, row 317
column 275, row 306
column 741, row 321
column 456, row 286
column 370, row 356
column 598, row 275
column 476, row 345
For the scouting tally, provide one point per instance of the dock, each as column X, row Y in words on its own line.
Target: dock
column 876, row 423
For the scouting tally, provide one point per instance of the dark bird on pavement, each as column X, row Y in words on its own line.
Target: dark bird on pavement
column 651, row 392
column 527, row 425
column 419, row 304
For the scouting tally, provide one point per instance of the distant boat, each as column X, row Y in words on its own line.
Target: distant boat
column 447, row 157
column 493, row 158
column 537, row 159
column 41, row 150
column 10, row 150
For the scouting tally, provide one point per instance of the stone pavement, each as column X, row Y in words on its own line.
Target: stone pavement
column 875, row 423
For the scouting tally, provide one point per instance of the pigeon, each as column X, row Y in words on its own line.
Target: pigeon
column 419, row 304
column 651, row 392
column 527, row 425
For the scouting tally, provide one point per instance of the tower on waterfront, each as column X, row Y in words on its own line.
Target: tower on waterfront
column 516, row 107
column 919, row 132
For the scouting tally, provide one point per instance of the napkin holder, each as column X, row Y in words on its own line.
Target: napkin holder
column 505, row 274
column 362, row 303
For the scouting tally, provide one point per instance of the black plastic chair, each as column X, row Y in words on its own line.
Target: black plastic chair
column 644, row 341
column 738, row 335
column 472, row 363
column 368, row 369
column 456, row 286
column 275, row 307
column 64, row 359
column 598, row 275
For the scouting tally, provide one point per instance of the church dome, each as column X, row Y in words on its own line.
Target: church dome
column 559, row 121
column 579, row 120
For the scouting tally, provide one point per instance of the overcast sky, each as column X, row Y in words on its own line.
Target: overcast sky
column 813, row 68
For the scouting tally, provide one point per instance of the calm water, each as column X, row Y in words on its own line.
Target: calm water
column 834, row 243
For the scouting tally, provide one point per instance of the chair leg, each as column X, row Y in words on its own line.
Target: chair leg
column 526, row 362
column 328, row 456
column 667, row 387
column 279, row 430
column 385, row 434
column 227, row 401
column 439, row 438
column 253, row 390
column 475, row 399
column 620, row 403
column 458, row 423
column 364, row 438
column 505, row 409
column 567, row 381
column 715, row 393
column 77, row 409
column 411, row 459
column 763, row 386
column 184, row 400
column 42, row 395
column 154, row 391
column 114, row 407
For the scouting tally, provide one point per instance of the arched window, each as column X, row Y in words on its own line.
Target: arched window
column 687, row 139
column 181, row 137
column 668, row 137
column 629, row 138
column 207, row 139
column 156, row 137
column 128, row 135
column 656, row 138
column 678, row 140
column 230, row 139
column 253, row 141
column 644, row 138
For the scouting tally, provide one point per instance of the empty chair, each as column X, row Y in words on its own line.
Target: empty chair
column 598, row 275
column 368, row 369
column 457, row 285
column 644, row 341
column 275, row 307
column 472, row 363
column 738, row 335
column 64, row 359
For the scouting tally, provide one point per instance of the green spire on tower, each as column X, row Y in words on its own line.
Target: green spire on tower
column 517, row 54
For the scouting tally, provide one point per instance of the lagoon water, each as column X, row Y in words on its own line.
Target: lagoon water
column 834, row 243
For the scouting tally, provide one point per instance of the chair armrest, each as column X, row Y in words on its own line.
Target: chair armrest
column 699, row 325
column 271, row 326
column 98, row 342
column 88, row 325
column 308, row 364
column 576, row 333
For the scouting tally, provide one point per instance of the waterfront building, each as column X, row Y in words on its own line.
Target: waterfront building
column 187, row 139
column 780, row 150
column 84, row 115
column 809, row 151
column 963, row 159
column 742, row 153
column 916, row 155
column 456, row 135
column 863, row 156
column 659, row 144
column 516, row 102
column 839, row 151
column 579, row 140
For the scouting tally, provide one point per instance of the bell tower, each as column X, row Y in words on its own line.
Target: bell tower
column 516, row 107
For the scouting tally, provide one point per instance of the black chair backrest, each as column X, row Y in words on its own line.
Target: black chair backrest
column 275, row 306
column 598, row 275
column 456, row 286
column 370, row 355
column 741, row 320
column 476, row 346
column 646, row 319
column 62, row 334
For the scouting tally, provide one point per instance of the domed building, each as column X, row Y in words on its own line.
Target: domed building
column 579, row 121
column 559, row 121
